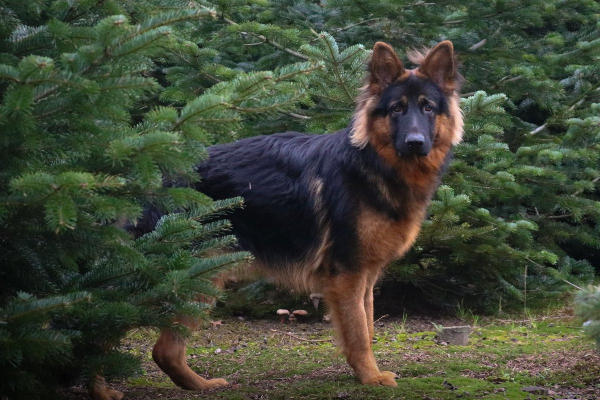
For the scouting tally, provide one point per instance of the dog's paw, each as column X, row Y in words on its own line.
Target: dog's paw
column 104, row 393
column 383, row 378
column 215, row 383
column 115, row 394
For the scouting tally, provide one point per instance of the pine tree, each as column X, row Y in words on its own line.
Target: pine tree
column 89, row 137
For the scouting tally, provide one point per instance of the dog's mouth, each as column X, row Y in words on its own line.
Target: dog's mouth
column 413, row 153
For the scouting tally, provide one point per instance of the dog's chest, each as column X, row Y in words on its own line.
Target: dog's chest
column 382, row 239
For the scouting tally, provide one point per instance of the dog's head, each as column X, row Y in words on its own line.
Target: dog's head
column 409, row 112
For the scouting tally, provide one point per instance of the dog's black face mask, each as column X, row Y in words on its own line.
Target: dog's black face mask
column 412, row 107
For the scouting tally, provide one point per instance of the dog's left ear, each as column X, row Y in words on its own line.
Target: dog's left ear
column 439, row 65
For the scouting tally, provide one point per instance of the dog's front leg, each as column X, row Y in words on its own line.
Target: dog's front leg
column 169, row 355
column 345, row 295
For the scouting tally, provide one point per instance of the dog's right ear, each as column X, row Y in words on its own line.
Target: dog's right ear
column 385, row 67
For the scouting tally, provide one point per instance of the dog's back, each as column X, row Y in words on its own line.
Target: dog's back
column 271, row 173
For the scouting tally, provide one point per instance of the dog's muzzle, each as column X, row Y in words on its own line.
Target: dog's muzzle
column 415, row 144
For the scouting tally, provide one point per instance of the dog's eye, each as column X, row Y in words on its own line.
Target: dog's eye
column 427, row 108
column 397, row 108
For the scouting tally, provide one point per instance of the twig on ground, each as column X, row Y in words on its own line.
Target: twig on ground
column 380, row 318
column 299, row 338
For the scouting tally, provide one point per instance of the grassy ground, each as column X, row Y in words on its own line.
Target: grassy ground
column 268, row 360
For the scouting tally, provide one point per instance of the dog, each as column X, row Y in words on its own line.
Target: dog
column 328, row 213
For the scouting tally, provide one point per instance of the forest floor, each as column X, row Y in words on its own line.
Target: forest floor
column 269, row 360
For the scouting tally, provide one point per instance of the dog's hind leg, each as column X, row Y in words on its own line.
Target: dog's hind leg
column 368, row 300
column 169, row 355
column 346, row 295
column 99, row 390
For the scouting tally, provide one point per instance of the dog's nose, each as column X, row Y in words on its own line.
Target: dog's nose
column 415, row 141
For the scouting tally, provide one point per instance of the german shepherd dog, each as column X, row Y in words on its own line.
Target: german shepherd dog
column 327, row 213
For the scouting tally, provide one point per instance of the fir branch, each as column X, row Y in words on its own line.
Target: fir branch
column 483, row 17
column 571, row 108
column 335, row 64
column 24, row 308
column 75, row 16
column 269, row 41
column 357, row 24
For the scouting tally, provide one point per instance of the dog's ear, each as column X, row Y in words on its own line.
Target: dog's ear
column 385, row 67
column 439, row 65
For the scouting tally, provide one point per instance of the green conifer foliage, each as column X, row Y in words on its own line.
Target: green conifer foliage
column 88, row 137
column 28, row 348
